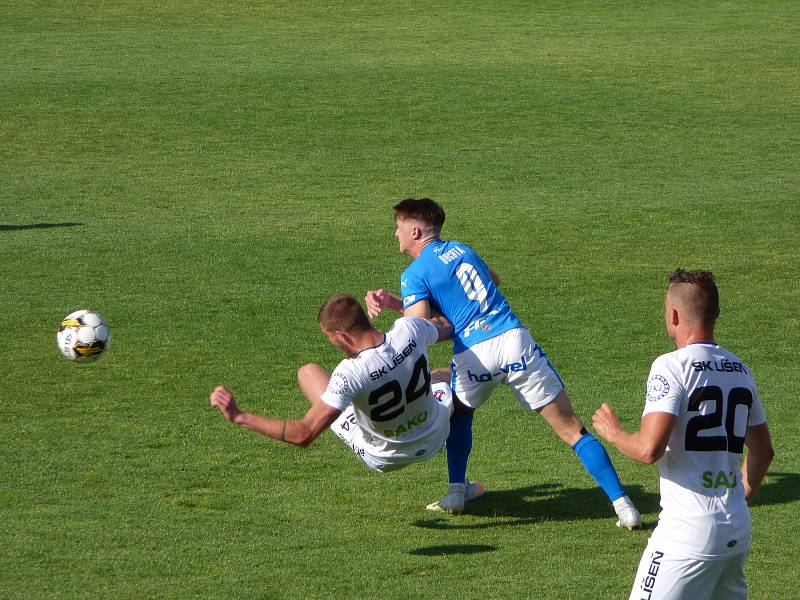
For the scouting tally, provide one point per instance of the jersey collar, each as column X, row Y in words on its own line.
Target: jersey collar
column 360, row 352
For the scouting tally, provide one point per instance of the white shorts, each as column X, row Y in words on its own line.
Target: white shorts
column 664, row 575
column 512, row 357
column 347, row 429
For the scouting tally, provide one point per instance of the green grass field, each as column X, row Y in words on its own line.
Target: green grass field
column 206, row 174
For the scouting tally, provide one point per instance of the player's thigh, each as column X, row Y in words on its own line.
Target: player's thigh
column 532, row 378
column 732, row 582
column 663, row 575
column 475, row 375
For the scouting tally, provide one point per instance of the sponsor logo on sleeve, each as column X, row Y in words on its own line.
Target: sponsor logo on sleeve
column 408, row 300
column 657, row 388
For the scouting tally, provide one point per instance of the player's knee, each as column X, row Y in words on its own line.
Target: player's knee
column 311, row 368
column 441, row 375
column 309, row 371
column 302, row 372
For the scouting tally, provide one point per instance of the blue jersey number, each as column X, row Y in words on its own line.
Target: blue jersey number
column 472, row 284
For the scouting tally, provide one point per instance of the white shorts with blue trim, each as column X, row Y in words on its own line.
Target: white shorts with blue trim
column 512, row 357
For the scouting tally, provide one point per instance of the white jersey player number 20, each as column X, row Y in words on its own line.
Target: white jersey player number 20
column 733, row 440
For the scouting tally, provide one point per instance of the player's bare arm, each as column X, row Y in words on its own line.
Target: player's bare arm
column 423, row 310
column 300, row 432
column 419, row 309
column 377, row 300
column 443, row 326
column 759, row 456
column 646, row 445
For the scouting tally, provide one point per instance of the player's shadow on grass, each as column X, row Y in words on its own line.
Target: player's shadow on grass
column 544, row 502
column 37, row 226
column 453, row 549
column 778, row 488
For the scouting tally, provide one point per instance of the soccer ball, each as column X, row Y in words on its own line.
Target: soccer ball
column 83, row 336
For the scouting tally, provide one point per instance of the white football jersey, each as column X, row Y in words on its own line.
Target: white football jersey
column 704, row 514
column 389, row 387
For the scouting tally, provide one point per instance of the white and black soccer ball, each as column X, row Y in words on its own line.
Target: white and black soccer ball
column 83, row 336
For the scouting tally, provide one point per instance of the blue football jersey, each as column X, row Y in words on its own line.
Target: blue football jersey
column 456, row 281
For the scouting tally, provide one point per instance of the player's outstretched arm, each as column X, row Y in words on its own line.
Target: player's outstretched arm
column 646, row 445
column 300, row 432
column 759, row 456
column 377, row 300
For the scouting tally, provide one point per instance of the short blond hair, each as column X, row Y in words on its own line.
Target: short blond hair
column 696, row 293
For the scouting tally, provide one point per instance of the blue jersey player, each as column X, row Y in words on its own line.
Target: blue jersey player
column 490, row 346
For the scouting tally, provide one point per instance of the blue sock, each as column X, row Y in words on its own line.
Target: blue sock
column 596, row 461
column 459, row 445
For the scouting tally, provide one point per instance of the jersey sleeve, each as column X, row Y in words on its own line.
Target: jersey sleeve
column 757, row 415
column 341, row 389
column 424, row 330
column 664, row 392
column 412, row 287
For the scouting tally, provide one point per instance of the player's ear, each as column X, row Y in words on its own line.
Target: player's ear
column 674, row 316
column 344, row 337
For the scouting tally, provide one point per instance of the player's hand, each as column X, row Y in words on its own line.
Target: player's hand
column 224, row 400
column 748, row 493
column 606, row 423
column 376, row 301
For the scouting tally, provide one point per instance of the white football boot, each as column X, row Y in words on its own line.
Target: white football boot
column 627, row 515
column 458, row 493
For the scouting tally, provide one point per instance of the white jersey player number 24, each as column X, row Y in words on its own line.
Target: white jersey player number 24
column 419, row 385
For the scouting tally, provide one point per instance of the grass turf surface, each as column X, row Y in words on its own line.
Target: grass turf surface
column 204, row 175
